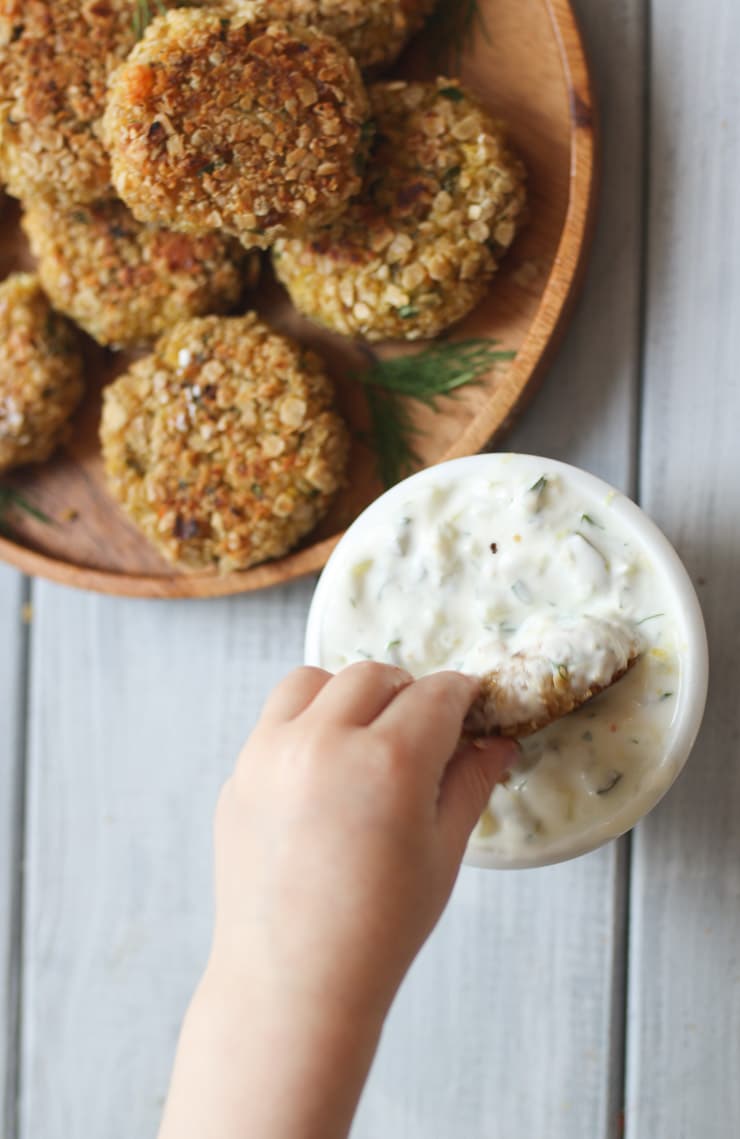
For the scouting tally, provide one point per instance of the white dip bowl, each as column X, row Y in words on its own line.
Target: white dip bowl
column 503, row 842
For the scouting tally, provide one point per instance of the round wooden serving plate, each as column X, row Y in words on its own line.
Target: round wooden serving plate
column 526, row 62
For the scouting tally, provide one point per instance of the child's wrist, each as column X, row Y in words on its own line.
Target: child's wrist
column 296, row 1066
column 239, row 990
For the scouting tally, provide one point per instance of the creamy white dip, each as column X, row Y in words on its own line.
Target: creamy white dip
column 466, row 574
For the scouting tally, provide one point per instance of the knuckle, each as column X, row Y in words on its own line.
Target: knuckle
column 295, row 681
column 307, row 672
column 391, row 756
column 375, row 673
column 314, row 748
column 449, row 691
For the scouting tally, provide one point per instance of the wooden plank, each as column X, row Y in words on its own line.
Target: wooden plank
column 508, row 1024
column 511, row 1022
column 684, row 1054
column 12, row 683
column 138, row 710
column 587, row 411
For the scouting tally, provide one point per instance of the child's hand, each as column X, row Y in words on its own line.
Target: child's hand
column 340, row 835
column 338, row 841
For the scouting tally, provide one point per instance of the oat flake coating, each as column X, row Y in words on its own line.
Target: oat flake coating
column 251, row 127
column 222, row 446
column 40, row 373
column 55, row 57
column 373, row 31
column 415, row 252
column 126, row 282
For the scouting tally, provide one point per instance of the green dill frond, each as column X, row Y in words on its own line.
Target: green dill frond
column 392, row 430
column 437, row 371
column 10, row 500
column 143, row 14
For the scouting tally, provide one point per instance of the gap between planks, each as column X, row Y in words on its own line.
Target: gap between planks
column 15, row 593
column 684, row 985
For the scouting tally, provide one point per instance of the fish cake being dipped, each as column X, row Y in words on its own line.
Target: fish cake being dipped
column 564, row 665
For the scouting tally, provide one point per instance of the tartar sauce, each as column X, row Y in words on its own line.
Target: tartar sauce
column 466, row 574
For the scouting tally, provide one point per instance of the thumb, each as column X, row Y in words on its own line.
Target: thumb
column 468, row 783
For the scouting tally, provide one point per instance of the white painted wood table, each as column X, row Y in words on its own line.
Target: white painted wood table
column 578, row 1002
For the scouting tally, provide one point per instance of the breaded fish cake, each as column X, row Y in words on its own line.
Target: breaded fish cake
column 415, row 252
column 375, row 32
column 40, row 373
column 54, row 63
column 218, row 123
column 552, row 678
column 125, row 282
column 223, row 446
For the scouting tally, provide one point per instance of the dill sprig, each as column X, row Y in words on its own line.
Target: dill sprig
column 391, row 433
column 452, row 26
column 144, row 12
column 11, row 499
column 438, row 370
column 389, row 384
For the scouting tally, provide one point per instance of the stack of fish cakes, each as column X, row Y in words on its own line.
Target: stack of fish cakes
column 152, row 169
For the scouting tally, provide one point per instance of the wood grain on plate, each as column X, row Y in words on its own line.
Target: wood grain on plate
column 526, row 63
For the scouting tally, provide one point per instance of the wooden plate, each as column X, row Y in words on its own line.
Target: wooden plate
column 528, row 67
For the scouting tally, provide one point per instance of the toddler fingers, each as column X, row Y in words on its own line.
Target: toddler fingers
column 359, row 693
column 294, row 694
column 468, row 784
column 425, row 721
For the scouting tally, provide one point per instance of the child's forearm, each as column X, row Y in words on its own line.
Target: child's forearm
column 337, row 843
column 254, row 1068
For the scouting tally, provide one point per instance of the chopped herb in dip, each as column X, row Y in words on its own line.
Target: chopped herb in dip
column 427, row 569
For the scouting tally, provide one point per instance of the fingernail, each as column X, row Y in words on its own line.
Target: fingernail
column 510, row 746
column 515, row 746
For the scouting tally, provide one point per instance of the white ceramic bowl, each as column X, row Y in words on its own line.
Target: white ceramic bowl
column 691, row 696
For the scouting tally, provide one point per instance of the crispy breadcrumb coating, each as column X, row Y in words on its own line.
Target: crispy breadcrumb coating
column 415, row 252
column 223, row 445
column 124, row 281
column 218, row 123
column 55, row 59
column 40, row 373
column 375, row 32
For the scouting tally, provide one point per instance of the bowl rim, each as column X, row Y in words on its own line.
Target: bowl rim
column 692, row 691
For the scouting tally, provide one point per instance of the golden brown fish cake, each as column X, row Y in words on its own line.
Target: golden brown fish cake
column 219, row 123
column 415, row 251
column 375, row 32
column 55, row 59
column 223, row 446
column 530, row 690
column 123, row 281
column 40, row 373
